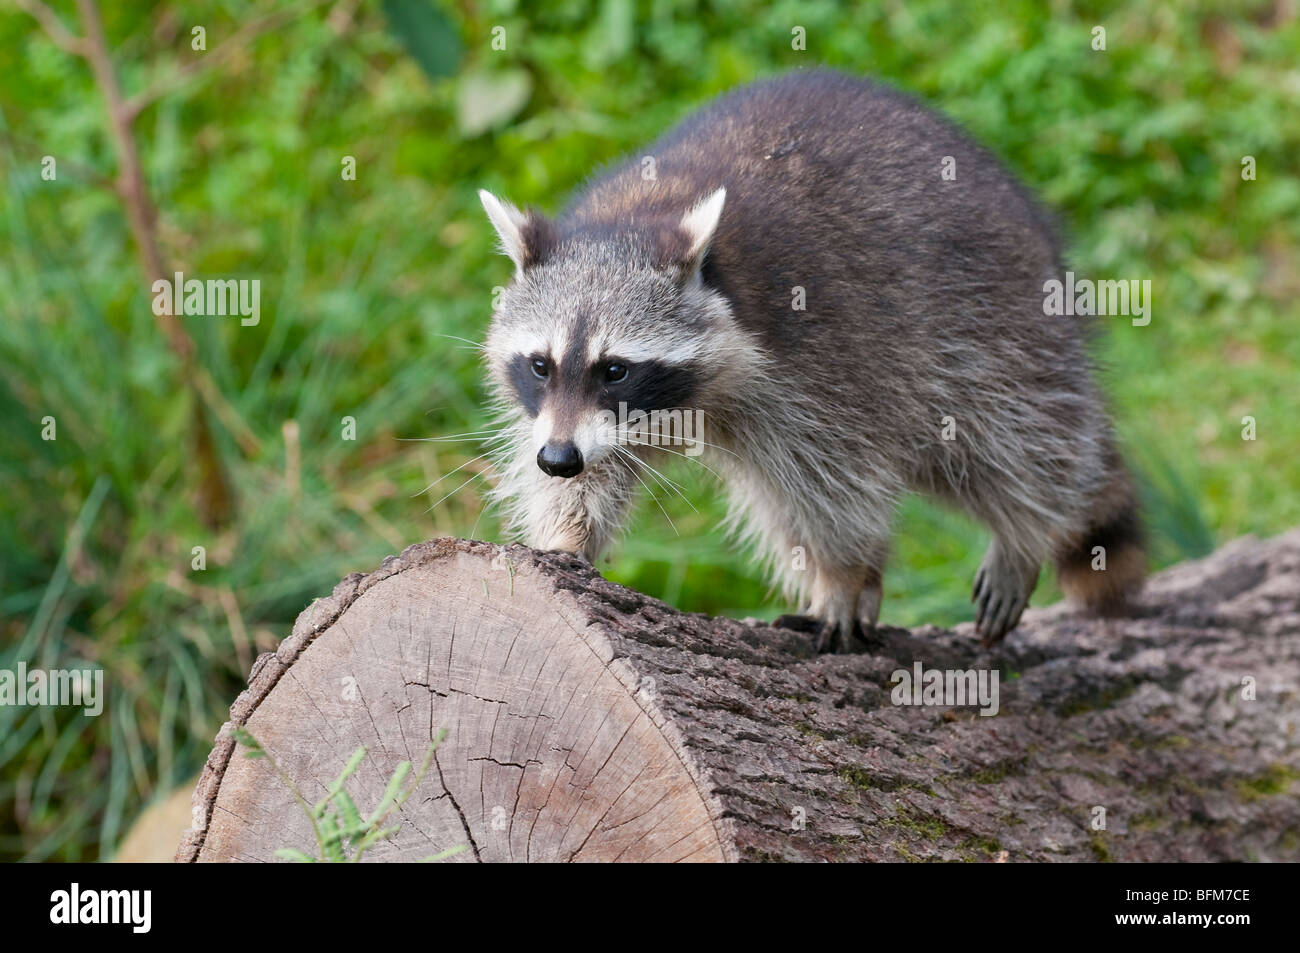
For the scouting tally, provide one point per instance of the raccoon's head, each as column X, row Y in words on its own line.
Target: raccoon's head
column 602, row 314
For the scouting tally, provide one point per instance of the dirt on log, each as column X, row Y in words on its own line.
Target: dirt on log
column 588, row 722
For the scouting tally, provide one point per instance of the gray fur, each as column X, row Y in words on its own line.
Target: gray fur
column 924, row 301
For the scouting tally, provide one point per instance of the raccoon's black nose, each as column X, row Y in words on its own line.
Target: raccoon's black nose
column 560, row 459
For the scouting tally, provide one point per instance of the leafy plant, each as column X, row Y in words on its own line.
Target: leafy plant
column 343, row 834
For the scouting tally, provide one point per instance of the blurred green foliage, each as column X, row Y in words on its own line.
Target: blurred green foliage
column 368, row 284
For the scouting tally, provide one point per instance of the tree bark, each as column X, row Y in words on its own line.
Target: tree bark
column 588, row 722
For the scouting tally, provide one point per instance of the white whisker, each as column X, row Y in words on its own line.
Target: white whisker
column 652, row 496
column 659, row 477
column 474, row 344
column 455, row 491
column 445, row 475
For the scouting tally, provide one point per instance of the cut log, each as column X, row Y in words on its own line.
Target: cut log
column 588, row 722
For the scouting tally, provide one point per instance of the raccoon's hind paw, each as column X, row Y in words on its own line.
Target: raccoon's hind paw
column 1000, row 596
column 829, row 637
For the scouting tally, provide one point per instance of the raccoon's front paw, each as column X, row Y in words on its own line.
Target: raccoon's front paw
column 829, row 637
column 798, row 623
column 560, row 541
column 559, row 547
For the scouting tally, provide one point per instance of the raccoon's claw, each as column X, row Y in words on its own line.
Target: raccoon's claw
column 829, row 637
column 858, row 635
column 999, row 603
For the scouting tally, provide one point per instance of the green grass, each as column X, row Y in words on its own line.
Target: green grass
column 342, row 833
column 1138, row 148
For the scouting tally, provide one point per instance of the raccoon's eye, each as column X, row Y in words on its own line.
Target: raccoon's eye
column 540, row 368
column 615, row 372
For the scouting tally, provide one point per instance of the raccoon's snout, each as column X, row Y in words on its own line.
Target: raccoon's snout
column 560, row 459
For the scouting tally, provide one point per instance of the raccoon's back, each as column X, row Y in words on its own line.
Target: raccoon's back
column 835, row 185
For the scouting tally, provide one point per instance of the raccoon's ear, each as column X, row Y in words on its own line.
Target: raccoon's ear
column 698, row 226
column 523, row 235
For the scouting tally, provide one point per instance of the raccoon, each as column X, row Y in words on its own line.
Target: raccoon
column 791, row 264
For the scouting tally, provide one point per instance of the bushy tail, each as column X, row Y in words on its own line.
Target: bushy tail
column 1105, row 563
